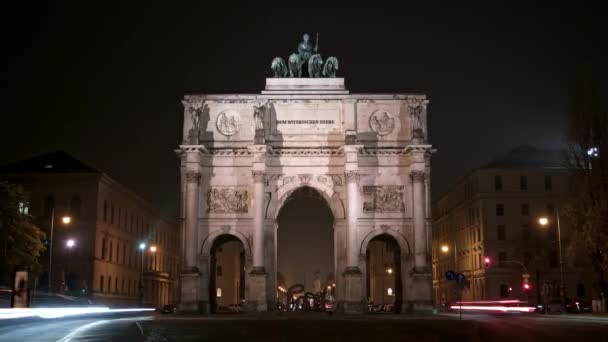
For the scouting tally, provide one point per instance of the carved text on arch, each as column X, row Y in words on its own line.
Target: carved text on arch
column 384, row 199
column 227, row 200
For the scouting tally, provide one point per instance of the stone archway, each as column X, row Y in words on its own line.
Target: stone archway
column 384, row 280
column 227, row 263
column 305, row 242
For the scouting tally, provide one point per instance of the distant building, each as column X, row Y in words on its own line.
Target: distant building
column 102, row 260
column 493, row 212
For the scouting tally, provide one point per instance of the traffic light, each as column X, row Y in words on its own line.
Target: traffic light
column 487, row 261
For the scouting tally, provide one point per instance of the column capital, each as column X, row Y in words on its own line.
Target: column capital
column 193, row 177
column 352, row 176
column 258, row 176
column 418, row 175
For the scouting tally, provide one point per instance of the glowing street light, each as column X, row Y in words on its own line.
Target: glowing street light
column 389, row 271
column 153, row 249
column 65, row 220
column 142, row 246
column 543, row 221
column 70, row 243
column 445, row 248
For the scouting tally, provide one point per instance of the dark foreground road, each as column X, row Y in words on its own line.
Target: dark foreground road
column 308, row 328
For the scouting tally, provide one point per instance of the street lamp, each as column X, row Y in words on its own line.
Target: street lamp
column 544, row 221
column 66, row 220
column 142, row 250
column 70, row 243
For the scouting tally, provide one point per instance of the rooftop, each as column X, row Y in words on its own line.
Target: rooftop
column 53, row 162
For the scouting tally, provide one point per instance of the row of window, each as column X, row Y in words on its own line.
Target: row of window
column 75, row 208
column 524, row 209
column 129, row 288
column 131, row 258
column 523, row 182
column 135, row 224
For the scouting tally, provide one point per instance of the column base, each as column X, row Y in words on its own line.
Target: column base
column 190, row 293
column 421, row 295
column 354, row 302
column 257, row 290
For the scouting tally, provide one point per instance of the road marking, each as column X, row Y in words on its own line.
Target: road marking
column 70, row 336
column 141, row 330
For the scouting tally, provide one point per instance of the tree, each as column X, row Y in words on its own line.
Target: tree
column 586, row 156
column 20, row 240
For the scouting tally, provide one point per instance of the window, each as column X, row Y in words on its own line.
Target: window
column 122, row 288
column 548, row 183
column 219, row 270
column 75, row 206
column 119, row 219
column 523, row 183
column 502, row 259
column 525, row 209
column 501, row 232
column 111, row 250
column 497, row 182
column 526, row 232
column 101, row 284
column 112, row 214
column 104, row 248
column 105, row 211
column 24, row 208
column 109, row 284
column 500, row 209
column 504, row 291
column 479, row 260
column 218, row 292
column 124, row 253
column 116, row 285
column 49, row 205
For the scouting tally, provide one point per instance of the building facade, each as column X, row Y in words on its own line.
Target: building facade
column 494, row 212
column 366, row 157
column 96, row 254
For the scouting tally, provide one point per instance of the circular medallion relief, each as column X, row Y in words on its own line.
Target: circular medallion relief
column 381, row 122
column 228, row 122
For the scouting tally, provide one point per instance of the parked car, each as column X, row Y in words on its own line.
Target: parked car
column 169, row 308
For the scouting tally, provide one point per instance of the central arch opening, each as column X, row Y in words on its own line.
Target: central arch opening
column 305, row 252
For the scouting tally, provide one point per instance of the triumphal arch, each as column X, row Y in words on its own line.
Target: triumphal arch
column 366, row 156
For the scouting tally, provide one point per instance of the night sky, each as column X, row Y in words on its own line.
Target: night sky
column 104, row 81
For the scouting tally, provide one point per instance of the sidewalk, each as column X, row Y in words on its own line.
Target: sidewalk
column 596, row 317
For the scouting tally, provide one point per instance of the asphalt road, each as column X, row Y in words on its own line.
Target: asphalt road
column 311, row 327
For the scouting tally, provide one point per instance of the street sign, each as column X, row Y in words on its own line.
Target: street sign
column 460, row 278
column 450, row 275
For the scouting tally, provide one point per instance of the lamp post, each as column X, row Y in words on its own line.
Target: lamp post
column 142, row 249
column 66, row 220
column 70, row 243
column 543, row 221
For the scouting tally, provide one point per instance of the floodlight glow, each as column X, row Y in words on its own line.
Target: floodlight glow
column 445, row 248
column 543, row 221
column 66, row 219
column 70, row 243
column 142, row 246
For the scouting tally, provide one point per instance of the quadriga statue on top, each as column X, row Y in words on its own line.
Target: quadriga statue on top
column 306, row 56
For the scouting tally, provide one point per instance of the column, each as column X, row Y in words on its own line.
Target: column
column 258, row 221
column 192, row 191
column 420, row 244
column 352, row 212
